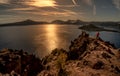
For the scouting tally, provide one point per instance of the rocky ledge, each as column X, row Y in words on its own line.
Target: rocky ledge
column 86, row 57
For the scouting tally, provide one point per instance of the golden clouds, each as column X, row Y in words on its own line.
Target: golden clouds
column 43, row 3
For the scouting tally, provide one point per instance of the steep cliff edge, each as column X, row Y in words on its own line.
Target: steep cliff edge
column 86, row 57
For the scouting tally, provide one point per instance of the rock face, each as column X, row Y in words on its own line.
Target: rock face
column 86, row 57
column 18, row 63
column 94, row 57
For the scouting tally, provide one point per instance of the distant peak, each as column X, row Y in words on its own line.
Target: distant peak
column 28, row 20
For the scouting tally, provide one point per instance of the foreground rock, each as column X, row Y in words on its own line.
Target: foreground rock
column 18, row 63
column 86, row 57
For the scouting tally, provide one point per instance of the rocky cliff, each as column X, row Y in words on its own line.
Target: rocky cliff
column 18, row 63
column 86, row 57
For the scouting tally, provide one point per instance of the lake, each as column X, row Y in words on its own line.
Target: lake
column 41, row 39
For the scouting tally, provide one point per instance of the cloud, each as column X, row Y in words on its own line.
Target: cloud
column 45, row 11
column 63, row 9
column 58, row 13
column 37, row 3
column 22, row 9
column 42, row 3
column 88, row 2
column 4, row 1
column 74, row 2
column 91, row 3
column 94, row 10
column 117, row 3
column 23, row 6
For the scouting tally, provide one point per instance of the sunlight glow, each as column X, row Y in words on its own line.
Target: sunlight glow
column 43, row 3
column 51, row 37
column 4, row 1
column 74, row 2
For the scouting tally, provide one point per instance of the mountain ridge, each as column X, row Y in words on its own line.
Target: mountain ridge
column 70, row 22
column 25, row 22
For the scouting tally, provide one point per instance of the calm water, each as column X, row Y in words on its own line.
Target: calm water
column 41, row 39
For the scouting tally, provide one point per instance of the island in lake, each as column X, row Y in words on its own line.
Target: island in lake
column 92, row 27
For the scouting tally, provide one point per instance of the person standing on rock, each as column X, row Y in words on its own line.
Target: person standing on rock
column 97, row 35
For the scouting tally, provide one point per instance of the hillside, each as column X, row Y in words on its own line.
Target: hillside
column 86, row 57
column 25, row 22
column 70, row 22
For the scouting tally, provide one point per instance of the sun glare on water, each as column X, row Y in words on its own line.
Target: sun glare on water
column 43, row 3
column 51, row 36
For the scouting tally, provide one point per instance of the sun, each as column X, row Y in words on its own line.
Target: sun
column 43, row 3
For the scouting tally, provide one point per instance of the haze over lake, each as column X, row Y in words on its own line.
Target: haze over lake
column 42, row 39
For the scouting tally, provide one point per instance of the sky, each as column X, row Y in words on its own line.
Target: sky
column 48, row 10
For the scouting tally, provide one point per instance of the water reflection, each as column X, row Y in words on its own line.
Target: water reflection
column 41, row 39
column 51, row 37
column 46, row 40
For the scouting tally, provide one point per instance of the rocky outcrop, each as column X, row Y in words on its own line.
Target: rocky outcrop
column 18, row 63
column 95, row 58
column 86, row 57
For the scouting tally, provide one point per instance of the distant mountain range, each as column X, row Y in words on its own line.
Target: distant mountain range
column 70, row 22
column 74, row 22
column 26, row 22
column 31, row 22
